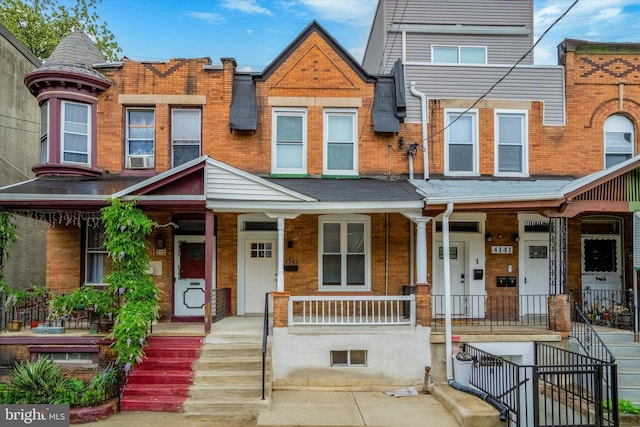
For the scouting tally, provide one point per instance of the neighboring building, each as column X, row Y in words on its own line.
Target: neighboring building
column 19, row 136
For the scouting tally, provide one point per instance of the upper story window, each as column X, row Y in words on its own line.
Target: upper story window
column 97, row 261
column 289, row 141
column 461, row 142
column 76, row 130
column 185, row 135
column 511, row 143
column 618, row 140
column 340, row 142
column 459, row 54
column 344, row 252
column 140, row 149
column 44, row 133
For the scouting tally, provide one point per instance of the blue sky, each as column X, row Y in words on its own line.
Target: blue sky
column 254, row 32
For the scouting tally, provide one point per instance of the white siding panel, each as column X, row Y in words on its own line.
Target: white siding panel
column 374, row 52
column 533, row 83
column 225, row 185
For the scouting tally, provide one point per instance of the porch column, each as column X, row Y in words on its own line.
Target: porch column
column 280, row 272
column 208, row 269
column 421, row 250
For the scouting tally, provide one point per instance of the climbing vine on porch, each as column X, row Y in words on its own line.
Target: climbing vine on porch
column 126, row 229
column 7, row 236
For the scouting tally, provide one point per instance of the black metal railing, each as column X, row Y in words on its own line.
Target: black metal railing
column 32, row 312
column 560, row 388
column 614, row 309
column 265, row 334
column 491, row 310
column 588, row 338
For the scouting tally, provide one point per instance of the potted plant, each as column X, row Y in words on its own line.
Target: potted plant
column 622, row 315
column 462, row 364
column 19, row 298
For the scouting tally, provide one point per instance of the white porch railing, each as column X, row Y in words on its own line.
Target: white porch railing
column 352, row 310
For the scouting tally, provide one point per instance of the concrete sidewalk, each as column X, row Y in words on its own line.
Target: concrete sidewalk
column 313, row 408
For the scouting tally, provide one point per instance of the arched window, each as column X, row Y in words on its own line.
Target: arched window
column 618, row 140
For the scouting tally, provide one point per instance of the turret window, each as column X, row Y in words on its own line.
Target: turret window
column 75, row 132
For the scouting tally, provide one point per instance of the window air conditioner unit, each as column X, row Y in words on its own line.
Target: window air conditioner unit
column 139, row 162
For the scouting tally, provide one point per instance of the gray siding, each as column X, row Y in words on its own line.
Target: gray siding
column 529, row 83
column 462, row 12
column 500, row 49
column 374, row 52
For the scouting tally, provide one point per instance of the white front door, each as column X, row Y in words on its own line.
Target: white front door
column 459, row 291
column 536, row 277
column 188, row 290
column 260, row 268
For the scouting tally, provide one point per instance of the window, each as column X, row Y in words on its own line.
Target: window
column 618, row 140
column 185, row 135
column 98, row 263
column 75, row 132
column 511, row 143
column 44, row 133
column 340, row 142
column 459, row 54
column 349, row 358
column 344, row 252
column 140, row 138
column 289, row 138
column 461, row 139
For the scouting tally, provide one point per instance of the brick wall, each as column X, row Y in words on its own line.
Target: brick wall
column 64, row 257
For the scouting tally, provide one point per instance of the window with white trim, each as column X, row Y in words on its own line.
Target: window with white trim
column 185, row 135
column 289, row 141
column 461, row 142
column 140, row 146
column 340, row 142
column 348, row 358
column 344, row 252
column 459, row 54
column 511, row 143
column 618, row 140
column 97, row 260
column 76, row 128
column 44, row 133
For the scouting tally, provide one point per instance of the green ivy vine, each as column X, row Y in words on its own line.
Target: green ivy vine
column 7, row 235
column 126, row 229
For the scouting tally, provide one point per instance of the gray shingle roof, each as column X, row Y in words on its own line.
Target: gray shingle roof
column 352, row 190
column 75, row 53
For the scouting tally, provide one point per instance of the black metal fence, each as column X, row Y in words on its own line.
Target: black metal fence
column 34, row 311
column 560, row 388
column 491, row 310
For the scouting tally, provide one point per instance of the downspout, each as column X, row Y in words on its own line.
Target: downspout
column 447, row 290
column 386, row 253
column 424, row 121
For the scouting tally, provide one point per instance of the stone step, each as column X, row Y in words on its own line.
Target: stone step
column 226, row 350
column 166, row 363
column 627, row 363
column 172, row 351
column 624, row 349
column 617, row 336
column 228, row 377
column 629, row 377
column 240, row 363
column 213, row 391
column 154, row 390
column 194, row 342
column 629, row 393
column 229, row 406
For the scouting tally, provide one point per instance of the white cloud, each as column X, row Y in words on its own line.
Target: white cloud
column 209, row 18
column 249, row 32
column 246, row 6
column 594, row 20
column 354, row 11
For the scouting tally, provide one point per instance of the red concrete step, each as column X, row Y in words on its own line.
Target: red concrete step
column 141, row 376
column 166, row 364
column 177, row 351
column 150, row 403
column 195, row 342
column 137, row 390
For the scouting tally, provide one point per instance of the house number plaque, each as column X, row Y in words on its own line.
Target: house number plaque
column 501, row 249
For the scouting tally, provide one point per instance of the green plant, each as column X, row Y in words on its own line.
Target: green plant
column 40, row 382
column 19, row 297
column 624, row 406
column 127, row 228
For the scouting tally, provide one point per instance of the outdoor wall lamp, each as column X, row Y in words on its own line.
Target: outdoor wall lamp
column 487, row 236
column 160, row 241
column 515, row 237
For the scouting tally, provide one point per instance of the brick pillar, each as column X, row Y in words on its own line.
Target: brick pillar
column 280, row 309
column 423, row 304
column 559, row 309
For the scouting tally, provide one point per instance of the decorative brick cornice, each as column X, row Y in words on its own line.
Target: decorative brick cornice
column 607, row 67
column 169, row 71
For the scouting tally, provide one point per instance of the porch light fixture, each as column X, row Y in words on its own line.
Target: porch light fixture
column 515, row 237
column 160, row 241
column 487, row 236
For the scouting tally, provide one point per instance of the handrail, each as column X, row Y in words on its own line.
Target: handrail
column 265, row 333
column 589, row 338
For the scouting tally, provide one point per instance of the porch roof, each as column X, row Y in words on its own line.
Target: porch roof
column 71, row 190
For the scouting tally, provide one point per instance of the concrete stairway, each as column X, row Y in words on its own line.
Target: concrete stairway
column 627, row 354
column 227, row 387
column 161, row 382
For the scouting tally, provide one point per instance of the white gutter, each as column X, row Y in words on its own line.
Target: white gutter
column 447, row 291
column 424, row 121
